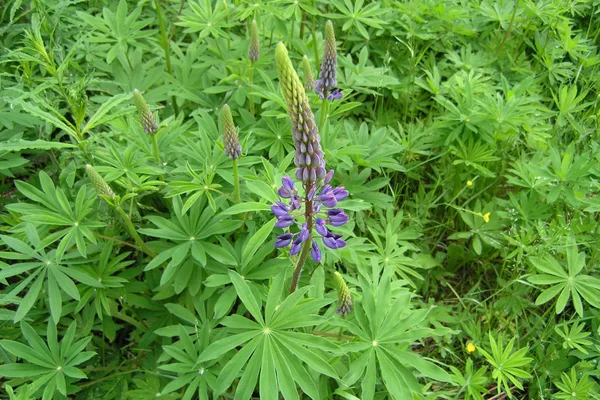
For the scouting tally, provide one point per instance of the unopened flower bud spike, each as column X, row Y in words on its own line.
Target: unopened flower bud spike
column 148, row 122
column 233, row 148
column 309, row 79
column 344, row 296
column 104, row 190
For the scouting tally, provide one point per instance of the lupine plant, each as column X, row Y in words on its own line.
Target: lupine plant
column 299, row 199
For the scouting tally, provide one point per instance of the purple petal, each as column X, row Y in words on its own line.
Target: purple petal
column 284, row 240
column 329, row 200
column 303, row 233
column 328, row 177
column 284, row 221
column 336, row 94
column 288, row 183
column 295, row 203
column 295, row 249
column 315, row 252
column 283, row 192
column 320, row 226
column 338, row 219
column 280, row 209
column 340, row 193
column 330, row 242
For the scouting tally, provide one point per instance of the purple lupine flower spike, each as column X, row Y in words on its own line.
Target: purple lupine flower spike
column 309, row 156
column 328, row 75
column 315, row 206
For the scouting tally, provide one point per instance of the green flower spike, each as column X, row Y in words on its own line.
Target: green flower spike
column 102, row 188
column 254, row 45
column 233, row 148
column 146, row 118
column 309, row 78
column 344, row 296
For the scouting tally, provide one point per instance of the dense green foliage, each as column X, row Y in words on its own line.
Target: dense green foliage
column 133, row 265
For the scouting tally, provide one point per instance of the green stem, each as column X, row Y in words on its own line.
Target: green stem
column 236, row 182
column 165, row 46
column 510, row 26
column 298, row 271
column 306, row 246
column 155, row 151
column 251, row 78
column 302, row 25
column 324, row 111
column 133, row 232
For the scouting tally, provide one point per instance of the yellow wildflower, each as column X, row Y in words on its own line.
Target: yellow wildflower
column 471, row 348
column 486, row 217
column 469, row 183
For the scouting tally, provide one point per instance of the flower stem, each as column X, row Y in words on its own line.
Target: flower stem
column 155, row 151
column 324, row 111
column 308, row 244
column 298, row 271
column 250, row 99
column 236, row 182
column 165, row 46
column 133, row 232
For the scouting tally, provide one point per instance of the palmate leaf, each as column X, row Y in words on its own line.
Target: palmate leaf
column 42, row 267
column 55, row 209
column 52, row 364
column 385, row 328
column 272, row 354
column 570, row 284
column 508, row 366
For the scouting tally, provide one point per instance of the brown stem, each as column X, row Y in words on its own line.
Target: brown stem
column 333, row 335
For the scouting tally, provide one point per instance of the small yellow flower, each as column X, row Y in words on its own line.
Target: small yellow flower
column 486, row 217
column 471, row 348
column 469, row 183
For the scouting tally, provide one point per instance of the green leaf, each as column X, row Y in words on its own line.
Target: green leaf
column 246, row 207
column 253, row 244
column 247, row 297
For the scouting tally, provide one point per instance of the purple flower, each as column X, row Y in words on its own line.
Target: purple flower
column 280, row 209
column 315, row 252
column 333, row 241
column 335, row 94
column 327, row 197
column 303, row 236
column 288, row 189
column 284, row 221
column 340, row 193
column 320, row 226
column 283, row 240
column 337, row 217
column 328, row 177
column 296, row 246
